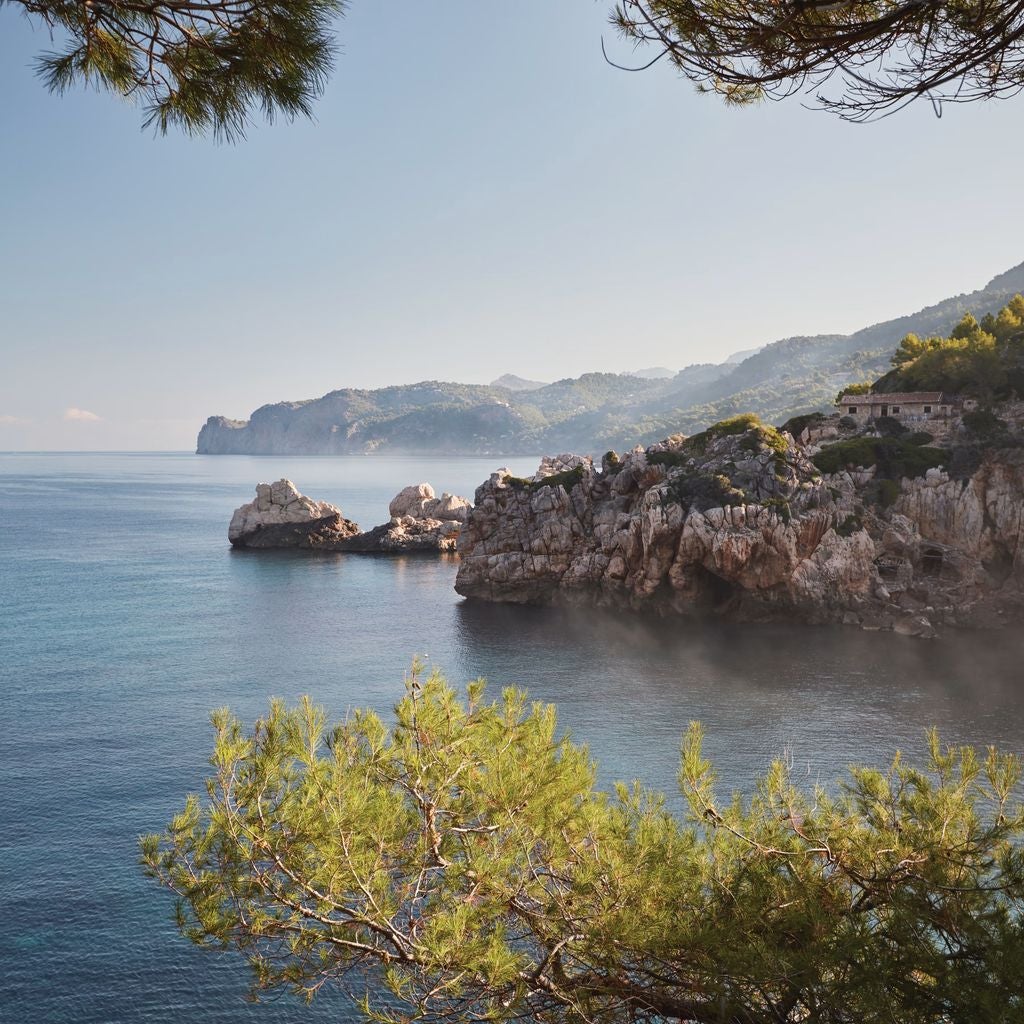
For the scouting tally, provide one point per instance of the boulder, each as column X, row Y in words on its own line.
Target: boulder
column 410, row 500
column 420, row 502
column 280, row 516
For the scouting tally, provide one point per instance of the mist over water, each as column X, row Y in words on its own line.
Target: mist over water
column 125, row 617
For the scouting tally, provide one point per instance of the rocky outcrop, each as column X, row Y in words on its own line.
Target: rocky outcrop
column 420, row 502
column 666, row 528
column 981, row 517
column 281, row 517
column 740, row 523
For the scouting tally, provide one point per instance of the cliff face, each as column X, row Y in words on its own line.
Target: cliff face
column 982, row 517
column 743, row 525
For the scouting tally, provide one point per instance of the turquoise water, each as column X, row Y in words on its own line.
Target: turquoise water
column 125, row 617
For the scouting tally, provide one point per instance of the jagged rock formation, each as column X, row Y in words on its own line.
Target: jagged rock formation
column 281, row 517
column 420, row 502
column 595, row 411
column 740, row 522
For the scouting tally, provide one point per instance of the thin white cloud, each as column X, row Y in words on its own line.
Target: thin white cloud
column 81, row 415
column 6, row 420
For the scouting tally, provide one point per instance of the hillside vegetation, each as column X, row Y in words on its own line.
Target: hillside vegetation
column 982, row 359
column 598, row 411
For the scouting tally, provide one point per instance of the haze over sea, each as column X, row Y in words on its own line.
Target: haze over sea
column 125, row 618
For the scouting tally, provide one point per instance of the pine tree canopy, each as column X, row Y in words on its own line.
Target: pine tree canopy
column 199, row 65
column 984, row 360
column 461, row 865
column 207, row 65
column 870, row 58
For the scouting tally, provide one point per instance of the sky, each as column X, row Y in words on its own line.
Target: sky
column 480, row 193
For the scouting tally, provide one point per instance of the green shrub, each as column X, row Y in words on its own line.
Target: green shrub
column 701, row 491
column 920, row 437
column 798, row 424
column 849, row 526
column 984, row 424
column 894, row 457
column 764, row 437
column 668, row 459
column 735, row 425
column 888, row 426
column 569, row 479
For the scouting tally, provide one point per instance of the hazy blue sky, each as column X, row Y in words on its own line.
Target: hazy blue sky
column 480, row 194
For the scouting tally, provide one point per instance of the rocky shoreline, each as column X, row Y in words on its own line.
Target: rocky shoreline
column 741, row 524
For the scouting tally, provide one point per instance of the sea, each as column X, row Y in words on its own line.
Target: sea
column 125, row 618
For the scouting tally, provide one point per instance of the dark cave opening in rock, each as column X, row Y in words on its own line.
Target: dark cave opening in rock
column 712, row 593
column 932, row 560
column 1000, row 565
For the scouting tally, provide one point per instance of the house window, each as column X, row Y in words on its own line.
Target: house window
column 851, row 409
column 895, row 408
column 927, row 408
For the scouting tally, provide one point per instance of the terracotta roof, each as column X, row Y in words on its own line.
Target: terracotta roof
column 898, row 398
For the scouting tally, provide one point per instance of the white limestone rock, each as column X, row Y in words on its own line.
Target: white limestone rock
column 420, row 502
column 277, row 504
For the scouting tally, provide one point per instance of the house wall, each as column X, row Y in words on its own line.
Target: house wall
column 913, row 412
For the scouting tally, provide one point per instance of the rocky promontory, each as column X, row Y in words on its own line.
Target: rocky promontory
column 281, row 517
column 752, row 523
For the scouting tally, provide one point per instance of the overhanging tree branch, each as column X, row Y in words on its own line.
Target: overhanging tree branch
column 882, row 54
column 198, row 65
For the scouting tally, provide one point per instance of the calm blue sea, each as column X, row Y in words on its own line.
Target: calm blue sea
column 125, row 617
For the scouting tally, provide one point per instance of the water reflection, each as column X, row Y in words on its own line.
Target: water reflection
column 628, row 684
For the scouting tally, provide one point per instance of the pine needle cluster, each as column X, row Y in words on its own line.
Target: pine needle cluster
column 204, row 66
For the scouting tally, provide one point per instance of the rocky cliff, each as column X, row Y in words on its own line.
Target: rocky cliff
column 739, row 521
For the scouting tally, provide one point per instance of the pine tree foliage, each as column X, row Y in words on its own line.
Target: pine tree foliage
column 869, row 58
column 983, row 359
column 199, row 65
column 460, row 865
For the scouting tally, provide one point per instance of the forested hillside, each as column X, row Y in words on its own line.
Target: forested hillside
column 596, row 411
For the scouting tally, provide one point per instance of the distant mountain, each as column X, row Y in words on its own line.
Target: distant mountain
column 738, row 357
column 514, row 383
column 652, row 373
column 596, row 411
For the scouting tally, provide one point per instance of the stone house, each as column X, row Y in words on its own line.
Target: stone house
column 906, row 406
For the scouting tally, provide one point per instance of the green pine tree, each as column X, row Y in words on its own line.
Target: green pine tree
column 461, row 865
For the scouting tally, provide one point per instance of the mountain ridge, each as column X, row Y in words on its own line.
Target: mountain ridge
column 595, row 411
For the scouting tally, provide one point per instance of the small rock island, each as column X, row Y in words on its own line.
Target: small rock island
column 282, row 517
